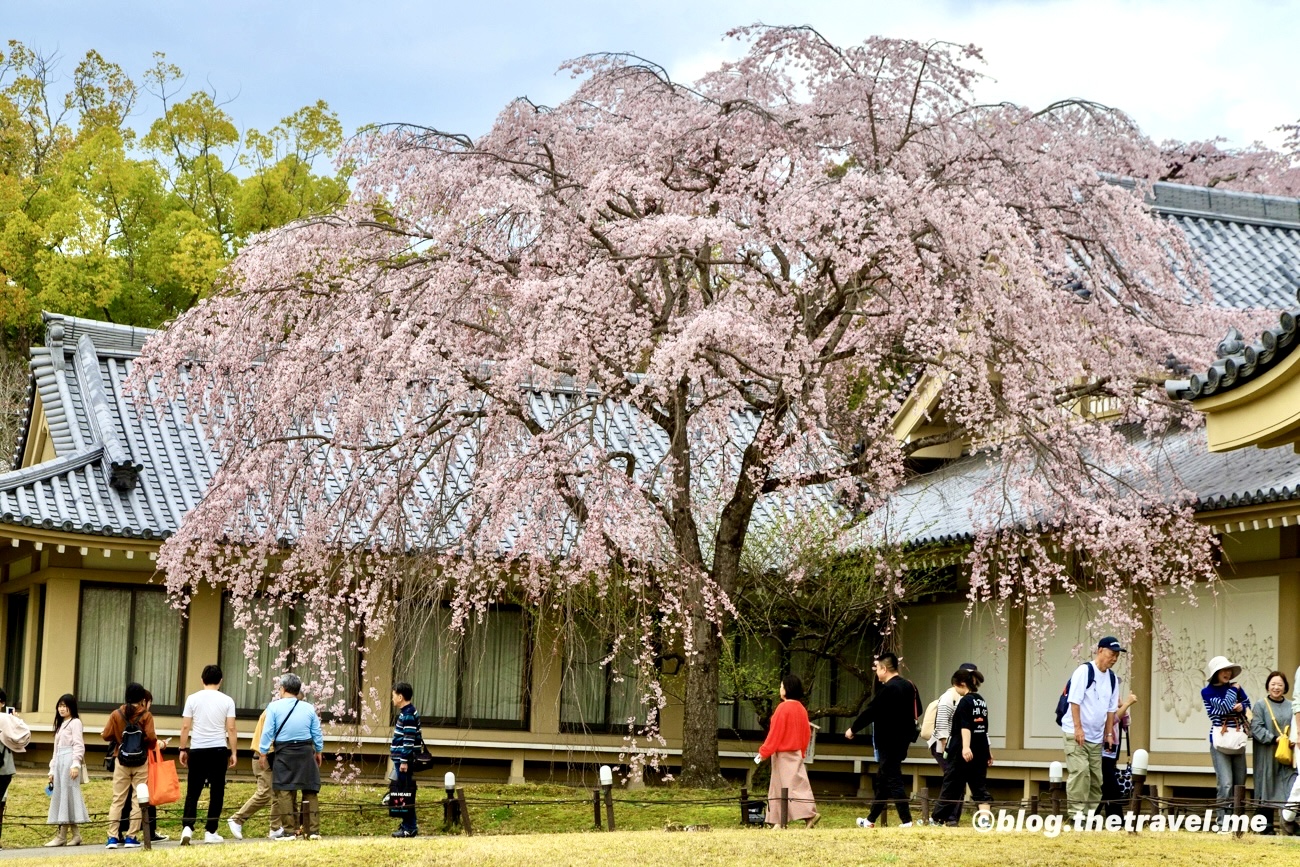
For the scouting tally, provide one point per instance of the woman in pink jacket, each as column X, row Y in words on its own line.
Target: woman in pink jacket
column 67, row 806
column 787, row 739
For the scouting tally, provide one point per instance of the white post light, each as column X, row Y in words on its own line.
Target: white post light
column 606, row 775
column 1056, row 772
column 1141, row 762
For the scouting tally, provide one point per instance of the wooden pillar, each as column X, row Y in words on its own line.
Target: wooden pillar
column 1288, row 603
column 1141, row 664
column 1017, row 677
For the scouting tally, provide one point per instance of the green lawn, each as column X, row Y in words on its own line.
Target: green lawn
column 553, row 825
column 895, row 846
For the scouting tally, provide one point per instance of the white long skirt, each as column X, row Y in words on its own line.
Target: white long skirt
column 67, row 806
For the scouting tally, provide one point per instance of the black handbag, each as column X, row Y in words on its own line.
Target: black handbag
column 422, row 760
column 400, row 799
column 1124, row 775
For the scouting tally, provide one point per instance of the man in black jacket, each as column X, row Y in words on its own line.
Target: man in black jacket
column 893, row 709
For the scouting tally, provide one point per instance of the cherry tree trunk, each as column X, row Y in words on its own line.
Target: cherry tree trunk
column 700, row 765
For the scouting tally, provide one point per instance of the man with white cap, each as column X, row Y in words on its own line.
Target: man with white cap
column 1093, row 696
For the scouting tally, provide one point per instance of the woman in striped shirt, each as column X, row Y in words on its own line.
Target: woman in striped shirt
column 1226, row 704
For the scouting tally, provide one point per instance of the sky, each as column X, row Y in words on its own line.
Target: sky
column 1191, row 69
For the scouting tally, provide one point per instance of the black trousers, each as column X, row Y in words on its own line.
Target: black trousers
column 889, row 784
column 207, row 767
column 961, row 774
column 1112, row 799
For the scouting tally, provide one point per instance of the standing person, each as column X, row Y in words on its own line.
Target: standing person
column 7, row 768
column 938, row 743
column 149, row 818
column 1268, row 723
column 406, row 738
column 293, row 731
column 893, row 711
column 67, row 806
column 208, row 747
column 1089, row 723
column 1226, row 704
column 969, row 756
column 263, row 795
column 1112, row 797
column 787, row 740
column 130, row 735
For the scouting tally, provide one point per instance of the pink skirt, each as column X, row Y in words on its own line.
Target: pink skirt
column 789, row 772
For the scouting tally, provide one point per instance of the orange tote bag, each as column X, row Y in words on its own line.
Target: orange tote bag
column 164, row 782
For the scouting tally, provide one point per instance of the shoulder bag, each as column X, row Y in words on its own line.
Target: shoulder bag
column 1283, row 753
column 1231, row 741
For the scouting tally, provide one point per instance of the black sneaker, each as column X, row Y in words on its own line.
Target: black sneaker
column 402, row 832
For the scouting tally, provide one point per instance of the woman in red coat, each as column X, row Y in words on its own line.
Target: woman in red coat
column 787, row 739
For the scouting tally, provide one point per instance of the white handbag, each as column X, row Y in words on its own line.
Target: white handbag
column 1231, row 741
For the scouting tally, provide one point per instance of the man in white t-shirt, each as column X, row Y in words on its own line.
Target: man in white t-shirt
column 208, row 739
column 1094, row 697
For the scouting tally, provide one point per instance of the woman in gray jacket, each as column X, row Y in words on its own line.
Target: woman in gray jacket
column 1269, row 719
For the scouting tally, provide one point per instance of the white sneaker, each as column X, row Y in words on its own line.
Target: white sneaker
column 276, row 833
column 905, row 825
column 865, row 823
column 313, row 836
column 209, row 837
column 186, row 835
column 236, row 830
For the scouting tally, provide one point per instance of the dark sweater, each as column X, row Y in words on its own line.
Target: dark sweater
column 893, row 710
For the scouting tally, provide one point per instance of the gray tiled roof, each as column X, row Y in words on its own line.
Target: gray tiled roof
column 942, row 506
column 100, row 438
column 119, row 470
column 98, row 430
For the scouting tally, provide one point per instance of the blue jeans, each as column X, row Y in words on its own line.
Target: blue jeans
column 408, row 818
column 1229, row 771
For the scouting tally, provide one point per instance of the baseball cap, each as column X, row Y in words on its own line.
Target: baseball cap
column 1110, row 642
column 968, row 666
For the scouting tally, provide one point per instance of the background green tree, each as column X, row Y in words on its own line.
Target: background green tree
column 101, row 221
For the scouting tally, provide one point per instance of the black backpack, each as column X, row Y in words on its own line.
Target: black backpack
column 1063, row 703
column 131, row 752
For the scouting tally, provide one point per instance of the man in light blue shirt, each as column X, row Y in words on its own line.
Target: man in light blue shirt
column 292, row 734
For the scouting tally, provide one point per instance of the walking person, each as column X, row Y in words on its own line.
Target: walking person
column 406, row 740
column 293, row 733
column 1089, row 723
column 786, row 743
column 1268, row 724
column 130, row 735
column 208, row 746
column 1226, row 704
column 264, row 794
column 969, row 756
column 1112, row 797
column 67, row 806
column 893, row 713
column 938, row 742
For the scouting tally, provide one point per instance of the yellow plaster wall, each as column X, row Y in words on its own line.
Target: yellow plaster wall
column 59, row 649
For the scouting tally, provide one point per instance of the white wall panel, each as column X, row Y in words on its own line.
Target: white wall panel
column 938, row 638
column 1240, row 622
column 1050, row 665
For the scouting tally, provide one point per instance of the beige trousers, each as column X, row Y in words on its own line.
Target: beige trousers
column 261, row 798
column 124, row 782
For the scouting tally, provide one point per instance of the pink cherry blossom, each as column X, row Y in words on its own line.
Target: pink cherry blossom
column 429, row 394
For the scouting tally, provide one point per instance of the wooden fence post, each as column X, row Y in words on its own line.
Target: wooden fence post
column 464, row 812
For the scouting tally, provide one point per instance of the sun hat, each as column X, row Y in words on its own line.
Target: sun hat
column 1218, row 664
